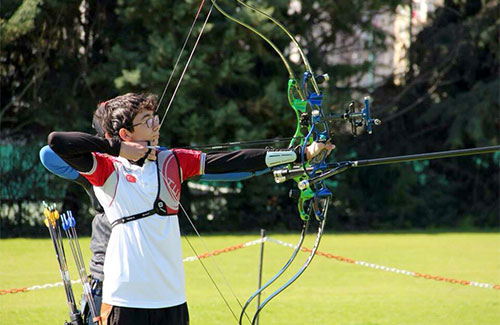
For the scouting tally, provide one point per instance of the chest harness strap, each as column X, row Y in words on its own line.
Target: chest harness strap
column 159, row 206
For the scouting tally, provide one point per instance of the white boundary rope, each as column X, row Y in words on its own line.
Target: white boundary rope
column 393, row 269
column 304, row 249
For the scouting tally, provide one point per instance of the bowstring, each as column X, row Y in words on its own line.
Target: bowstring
column 210, row 276
column 179, row 56
column 216, row 264
column 161, row 123
column 187, row 64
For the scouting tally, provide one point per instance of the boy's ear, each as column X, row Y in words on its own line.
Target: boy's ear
column 125, row 134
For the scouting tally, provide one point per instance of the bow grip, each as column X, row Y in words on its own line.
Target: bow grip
column 305, row 198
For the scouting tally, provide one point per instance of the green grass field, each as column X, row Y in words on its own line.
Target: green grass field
column 329, row 292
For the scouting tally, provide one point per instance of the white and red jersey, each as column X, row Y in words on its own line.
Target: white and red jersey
column 143, row 267
column 143, row 264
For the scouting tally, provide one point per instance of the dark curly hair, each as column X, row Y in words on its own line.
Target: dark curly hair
column 119, row 112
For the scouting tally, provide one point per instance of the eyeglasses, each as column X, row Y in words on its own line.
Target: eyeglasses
column 150, row 122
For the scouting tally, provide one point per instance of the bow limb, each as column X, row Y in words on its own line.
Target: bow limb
column 291, row 74
column 292, row 38
column 299, row 106
column 280, row 272
column 311, row 199
column 296, row 275
column 319, row 131
column 315, row 199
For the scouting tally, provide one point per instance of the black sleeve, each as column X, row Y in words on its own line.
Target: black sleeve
column 246, row 160
column 76, row 148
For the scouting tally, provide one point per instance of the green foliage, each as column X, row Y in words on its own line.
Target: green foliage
column 20, row 23
column 450, row 101
column 60, row 58
column 42, row 75
column 25, row 183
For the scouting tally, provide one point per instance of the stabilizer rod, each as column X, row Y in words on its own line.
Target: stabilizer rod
column 336, row 168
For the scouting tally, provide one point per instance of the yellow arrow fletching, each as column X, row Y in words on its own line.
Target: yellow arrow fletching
column 51, row 218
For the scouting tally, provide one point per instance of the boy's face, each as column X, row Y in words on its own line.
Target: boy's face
column 146, row 127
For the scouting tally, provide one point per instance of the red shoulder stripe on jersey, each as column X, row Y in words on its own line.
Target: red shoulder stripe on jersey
column 103, row 167
column 191, row 162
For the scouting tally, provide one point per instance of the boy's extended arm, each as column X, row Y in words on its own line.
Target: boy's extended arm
column 59, row 167
column 76, row 148
column 248, row 160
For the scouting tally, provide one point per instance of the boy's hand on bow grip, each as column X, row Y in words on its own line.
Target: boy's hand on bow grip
column 317, row 148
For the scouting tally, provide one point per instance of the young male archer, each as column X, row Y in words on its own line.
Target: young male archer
column 139, row 190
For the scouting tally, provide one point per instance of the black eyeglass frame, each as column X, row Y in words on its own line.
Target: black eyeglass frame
column 150, row 122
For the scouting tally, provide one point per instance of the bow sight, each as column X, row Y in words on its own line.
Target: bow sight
column 356, row 118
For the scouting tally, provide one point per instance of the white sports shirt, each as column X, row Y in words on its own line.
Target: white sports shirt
column 143, row 267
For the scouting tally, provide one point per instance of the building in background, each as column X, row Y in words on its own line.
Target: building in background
column 409, row 19
column 404, row 26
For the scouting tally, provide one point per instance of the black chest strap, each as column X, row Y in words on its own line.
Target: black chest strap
column 133, row 217
column 159, row 207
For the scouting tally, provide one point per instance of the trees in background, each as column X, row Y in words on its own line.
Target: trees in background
column 450, row 100
column 60, row 58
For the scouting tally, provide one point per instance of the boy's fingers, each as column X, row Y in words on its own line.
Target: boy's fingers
column 152, row 155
